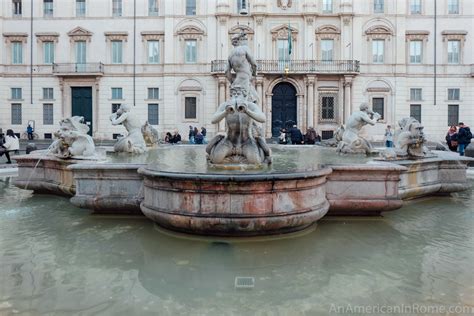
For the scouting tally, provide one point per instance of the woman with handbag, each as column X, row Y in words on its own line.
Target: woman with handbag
column 11, row 144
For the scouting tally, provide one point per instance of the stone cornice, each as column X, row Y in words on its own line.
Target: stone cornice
column 152, row 36
column 190, row 32
column 80, row 34
column 15, row 37
column 116, row 36
column 454, row 35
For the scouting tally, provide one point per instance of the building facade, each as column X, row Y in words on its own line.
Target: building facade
column 317, row 61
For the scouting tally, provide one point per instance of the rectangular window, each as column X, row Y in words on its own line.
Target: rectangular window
column 327, row 6
column 453, row 114
column 48, row 52
column 415, row 94
column 454, row 48
column 453, row 94
column 152, row 7
column 47, row 8
column 242, row 6
column 80, row 8
column 415, row 6
column 116, row 7
column 283, row 49
column 117, row 94
column 378, row 51
column 415, row 111
column 191, row 51
column 80, row 52
column 48, row 94
column 378, row 106
column 327, row 108
column 327, row 50
column 153, row 93
column 153, row 52
column 116, row 52
column 415, row 52
column 48, row 114
column 115, row 107
column 16, row 94
column 16, row 114
column 16, row 4
column 190, row 7
column 153, row 114
column 378, row 6
column 48, row 136
column 190, row 108
column 453, row 6
column 17, row 53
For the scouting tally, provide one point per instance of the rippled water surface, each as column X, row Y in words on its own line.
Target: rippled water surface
column 192, row 159
column 56, row 259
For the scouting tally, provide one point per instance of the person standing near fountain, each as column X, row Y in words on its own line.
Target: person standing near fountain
column 11, row 144
column 133, row 142
column 464, row 138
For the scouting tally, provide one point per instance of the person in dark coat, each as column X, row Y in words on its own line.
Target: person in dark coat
column 204, row 133
column 296, row 136
column 191, row 135
column 452, row 138
column 464, row 138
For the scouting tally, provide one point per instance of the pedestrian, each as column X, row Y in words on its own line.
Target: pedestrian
column 199, row 138
column 191, row 135
column 388, row 137
column 464, row 138
column 29, row 131
column 176, row 139
column 310, row 136
column 11, row 144
column 168, row 137
column 452, row 138
column 282, row 139
column 204, row 133
column 296, row 136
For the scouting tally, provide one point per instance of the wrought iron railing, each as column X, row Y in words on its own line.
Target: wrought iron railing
column 78, row 68
column 297, row 66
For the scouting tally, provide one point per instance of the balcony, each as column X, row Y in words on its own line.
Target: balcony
column 76, row 69
column 279, row 67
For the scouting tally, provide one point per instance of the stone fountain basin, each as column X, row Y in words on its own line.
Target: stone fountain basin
column 175, row 187
column 228, row 205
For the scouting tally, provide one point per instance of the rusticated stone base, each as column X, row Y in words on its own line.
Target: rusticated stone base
column 235, row 205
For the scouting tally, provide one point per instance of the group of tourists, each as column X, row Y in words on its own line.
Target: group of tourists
column 8, row 143
column 458, row 138
column 174, row 138
column 295, row 137
column 196, row 136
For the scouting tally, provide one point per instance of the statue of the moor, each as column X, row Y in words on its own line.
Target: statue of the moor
column 133, row 142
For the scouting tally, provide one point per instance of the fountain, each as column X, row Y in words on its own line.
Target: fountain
column 239, row 185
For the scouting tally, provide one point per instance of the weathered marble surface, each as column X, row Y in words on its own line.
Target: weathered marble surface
column 235, row 205
column 72, row 139
column 133, row 142
column 114, row 188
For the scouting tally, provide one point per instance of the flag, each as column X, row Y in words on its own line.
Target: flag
column 289, row 39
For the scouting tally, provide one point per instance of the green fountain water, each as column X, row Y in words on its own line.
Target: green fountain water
column 56, row 259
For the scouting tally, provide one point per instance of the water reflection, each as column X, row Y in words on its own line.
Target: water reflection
column 60, row 260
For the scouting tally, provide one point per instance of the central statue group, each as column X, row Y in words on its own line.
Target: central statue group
column 243, row 142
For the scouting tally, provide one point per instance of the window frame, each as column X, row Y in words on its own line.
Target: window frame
column 383, row 106
column 17, row 8
column 17, row 52
column 457, row 6
column 116, row 47
column 48, row 53
column 79, row 13
column 154, row 12
column 191, row 7
column 416, row 106
column 419, row 5
column 16, row 94
column 327, row 6
column 117, row 8
column 452, row 121
column 375, row 58
column 451, row 57
column 48, row 10
column 48, row 94
column 151, row 95
column 325, row 52
column 154, row 120
column 187, row 52
column 48, row 120
column 15, row 120
column 458, row 94
column 118, row 96
column 414, row 96
column 377, row 4
column 157, row 42
column 413, row 58
column 186, row 97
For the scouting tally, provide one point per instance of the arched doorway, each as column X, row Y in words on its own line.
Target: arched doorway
column 283, row 107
